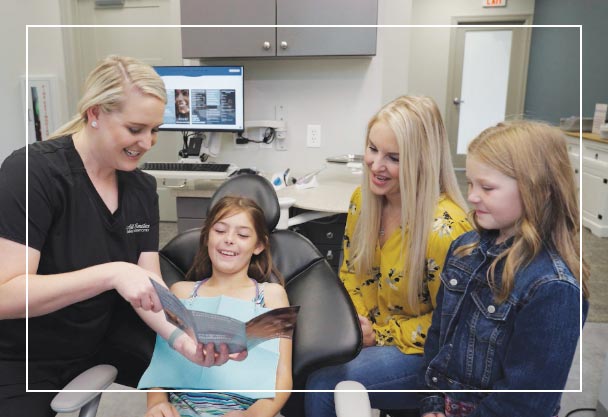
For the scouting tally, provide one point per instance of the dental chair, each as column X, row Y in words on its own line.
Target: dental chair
column 327, row 331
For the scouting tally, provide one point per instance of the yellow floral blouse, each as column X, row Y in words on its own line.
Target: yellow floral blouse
column 382, row 294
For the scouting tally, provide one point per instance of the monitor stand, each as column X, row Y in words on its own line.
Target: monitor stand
column 200, row 146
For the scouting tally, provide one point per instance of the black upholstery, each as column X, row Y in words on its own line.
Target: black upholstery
column 327, row 331
column 177, row 256
column 259, row 189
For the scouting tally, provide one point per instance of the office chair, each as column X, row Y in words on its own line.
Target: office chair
column 327, row 331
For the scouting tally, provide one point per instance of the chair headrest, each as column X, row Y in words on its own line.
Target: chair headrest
column 256, row 187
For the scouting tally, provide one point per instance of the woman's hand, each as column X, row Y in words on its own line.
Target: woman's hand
column 369, row 335
column 162, row 409
column 205, row 355
column 434, row 415
column 133, row 283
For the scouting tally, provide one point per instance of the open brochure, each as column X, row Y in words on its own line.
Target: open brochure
column 211, row 327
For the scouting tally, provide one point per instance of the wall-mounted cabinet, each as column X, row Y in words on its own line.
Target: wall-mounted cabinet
column 231, row 42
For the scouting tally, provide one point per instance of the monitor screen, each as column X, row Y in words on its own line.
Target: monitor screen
column 203, row 98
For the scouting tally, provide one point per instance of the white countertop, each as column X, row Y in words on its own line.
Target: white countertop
column 332, row 194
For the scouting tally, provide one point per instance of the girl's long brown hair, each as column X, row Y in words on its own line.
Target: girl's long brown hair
column 536, row 156
column 261, row 267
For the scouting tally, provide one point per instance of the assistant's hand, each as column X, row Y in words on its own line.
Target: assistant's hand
column 133, row 283
column 162, row 409
column 205, row 355
column 369, row 335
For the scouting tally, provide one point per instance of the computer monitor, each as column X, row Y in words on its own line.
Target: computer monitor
column 203, row 98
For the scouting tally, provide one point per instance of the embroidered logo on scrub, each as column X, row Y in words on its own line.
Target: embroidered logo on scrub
column 138, row 228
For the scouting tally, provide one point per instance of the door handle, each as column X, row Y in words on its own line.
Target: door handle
column 457, row 101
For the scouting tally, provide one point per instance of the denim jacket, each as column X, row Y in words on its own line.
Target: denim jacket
column 525, row 343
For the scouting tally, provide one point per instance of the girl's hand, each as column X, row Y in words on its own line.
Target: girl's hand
column 434, row 415
column 205, row 355
column 369, row 335
column 133, row 283
column 162, row 409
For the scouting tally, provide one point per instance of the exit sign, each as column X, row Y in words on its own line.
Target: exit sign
column 494, row 3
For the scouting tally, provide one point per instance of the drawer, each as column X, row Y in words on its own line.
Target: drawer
column 184, row 224
column 596, row 152
column 573, row 148
column 192, row 207
column 573, row 145
column 324, row 234
column 331, row 253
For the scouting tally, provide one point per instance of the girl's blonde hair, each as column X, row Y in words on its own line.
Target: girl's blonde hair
column 107, row 85
column 261, row 267
column 535, row 155
column 425, row 172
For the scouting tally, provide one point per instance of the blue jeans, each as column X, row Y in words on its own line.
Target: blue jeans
column 377, row 368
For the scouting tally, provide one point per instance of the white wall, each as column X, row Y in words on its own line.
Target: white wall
column 340, row 94
column 15, row 17
column 430, row 50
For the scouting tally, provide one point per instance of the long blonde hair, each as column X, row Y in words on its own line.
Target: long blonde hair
column 425, row 172
column 535, row 155
column 106, row 86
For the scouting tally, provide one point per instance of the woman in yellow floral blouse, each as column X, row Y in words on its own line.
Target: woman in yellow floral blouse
column 400, row 225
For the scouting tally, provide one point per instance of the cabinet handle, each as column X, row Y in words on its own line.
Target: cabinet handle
column 283, row 45
column 330, row 255
column 329, row 235
column 576, row 171
column 266, row 46
column 599, row 216
column 596, row 156
column 605, row 181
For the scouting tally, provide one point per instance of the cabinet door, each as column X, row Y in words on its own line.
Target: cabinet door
column 575, row 162
column 225, row 42
column 574, row 152
column 326, row 41
column 595, row 196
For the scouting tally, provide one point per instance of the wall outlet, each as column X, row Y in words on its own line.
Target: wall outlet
column 280, row 114
column 313, row 136
column 281, row 140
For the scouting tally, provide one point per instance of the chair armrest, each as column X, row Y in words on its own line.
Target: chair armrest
column 349, row 403
column 97, row 378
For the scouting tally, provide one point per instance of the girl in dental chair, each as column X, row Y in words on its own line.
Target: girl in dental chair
column 234, row 260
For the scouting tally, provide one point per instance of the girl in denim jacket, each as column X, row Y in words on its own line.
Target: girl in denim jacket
column 508, row 313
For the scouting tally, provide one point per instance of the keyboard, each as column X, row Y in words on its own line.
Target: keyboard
column 190, row 167
column 188, row 170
